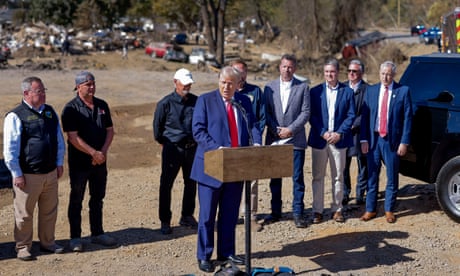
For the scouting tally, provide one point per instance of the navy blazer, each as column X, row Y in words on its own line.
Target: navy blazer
column 399, row 116
column 343, row 117
column 211, row 131
column 295, row 117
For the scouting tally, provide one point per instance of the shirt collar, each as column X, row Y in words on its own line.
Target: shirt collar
column 390, row 87
column 336, row 87
column 39, row 110
column 286, row 83
column 355, row 86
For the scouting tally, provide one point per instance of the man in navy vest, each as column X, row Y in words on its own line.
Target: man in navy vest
column 34, row 150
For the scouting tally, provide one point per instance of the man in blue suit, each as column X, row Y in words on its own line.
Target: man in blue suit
column 385, row 135
column 212, row 130
column 287, row 107
column 332, row 115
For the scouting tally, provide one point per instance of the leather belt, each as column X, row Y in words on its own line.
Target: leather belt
column 186, row 145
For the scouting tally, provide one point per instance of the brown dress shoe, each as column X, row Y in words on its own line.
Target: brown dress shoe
column 317, row 218
column 338, row 217
column 368, row 216
column 390, row 217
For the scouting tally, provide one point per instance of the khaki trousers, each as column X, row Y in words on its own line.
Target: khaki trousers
column 41, row 189
column 319, row 160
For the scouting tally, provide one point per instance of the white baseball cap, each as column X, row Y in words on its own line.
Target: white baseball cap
column 184, row 76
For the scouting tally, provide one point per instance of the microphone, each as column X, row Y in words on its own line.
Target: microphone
column 238, row 105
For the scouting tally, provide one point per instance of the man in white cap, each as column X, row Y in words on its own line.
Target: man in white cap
column 172, row 128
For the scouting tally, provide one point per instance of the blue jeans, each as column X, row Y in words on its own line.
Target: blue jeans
column 298, row 187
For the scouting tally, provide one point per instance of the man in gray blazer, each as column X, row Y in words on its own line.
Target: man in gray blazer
column 287, row 107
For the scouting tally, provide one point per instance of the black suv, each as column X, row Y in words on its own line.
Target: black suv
column 434, row 154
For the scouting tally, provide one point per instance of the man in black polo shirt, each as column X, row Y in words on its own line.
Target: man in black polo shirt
column 88, row 125
column 172, row 128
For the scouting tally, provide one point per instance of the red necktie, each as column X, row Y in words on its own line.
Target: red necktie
column 232, row 125
column 383, row 113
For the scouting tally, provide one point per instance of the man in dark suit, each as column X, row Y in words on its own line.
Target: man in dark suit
column 287, row 102
column 254, row 93
column 385, row 136
column 215, row 113
column 332, row 114
column 356, row 82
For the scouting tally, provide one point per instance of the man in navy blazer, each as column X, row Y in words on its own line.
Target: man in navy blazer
column 211, row 131
column 287, row 107
column 332, row 115
column 385, row 144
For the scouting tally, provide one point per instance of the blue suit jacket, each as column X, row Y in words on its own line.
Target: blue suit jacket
column 343, row 117
column 295, row 117
column 211, row 131
column 399, row 116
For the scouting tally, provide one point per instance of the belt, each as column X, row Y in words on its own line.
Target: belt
column 186, row 145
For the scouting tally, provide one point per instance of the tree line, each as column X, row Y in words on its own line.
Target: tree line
column 316, row 26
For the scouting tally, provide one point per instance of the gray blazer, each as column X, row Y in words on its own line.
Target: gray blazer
column 296, row 116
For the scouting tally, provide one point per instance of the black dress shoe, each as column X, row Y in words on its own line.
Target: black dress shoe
column 300, row 222
column 270, row 219
column 234, row 259
column 360, row 201
column 205, row 266
column 165, row 228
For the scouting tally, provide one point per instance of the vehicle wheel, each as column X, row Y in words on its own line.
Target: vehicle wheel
column 448, row 188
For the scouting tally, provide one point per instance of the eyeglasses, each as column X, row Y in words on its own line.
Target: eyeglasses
column 352, row 71
column 39, row 91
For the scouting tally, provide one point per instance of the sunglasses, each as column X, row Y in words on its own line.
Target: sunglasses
column 352, row 71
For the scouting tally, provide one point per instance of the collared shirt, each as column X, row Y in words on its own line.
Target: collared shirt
column 331, row 96
column 285, row 90
column 354, row 86
column 91, row 126
column 12, row 129
column 390, row 94
column 173, row 118
column 236, row 115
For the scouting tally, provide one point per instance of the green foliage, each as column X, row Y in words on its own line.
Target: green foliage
column 185, row 13
column 140, row 8
column 86, row 13
column 52, row 11
column 438, row 9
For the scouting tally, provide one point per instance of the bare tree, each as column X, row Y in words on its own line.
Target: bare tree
column 213, row 16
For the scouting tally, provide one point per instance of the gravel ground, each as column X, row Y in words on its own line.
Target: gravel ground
column 424, row 241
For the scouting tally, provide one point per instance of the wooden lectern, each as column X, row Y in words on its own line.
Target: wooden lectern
column 247, row 164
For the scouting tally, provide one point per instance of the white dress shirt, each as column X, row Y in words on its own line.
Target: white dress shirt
column 331, row 96
column 390, row 95
column 285, row 90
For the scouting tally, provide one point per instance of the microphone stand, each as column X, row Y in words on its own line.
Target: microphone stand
column 247, row 194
